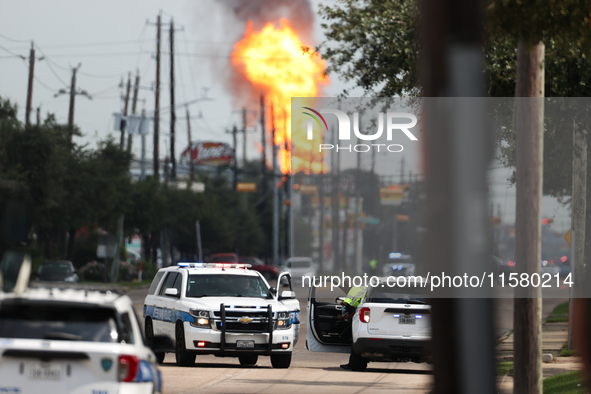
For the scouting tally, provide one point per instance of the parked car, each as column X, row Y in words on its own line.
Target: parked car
column 256, row 264
column 66, row 340
column 57, row 271
column 388, row 326
column 299, row 267
column 398, row 265
column 227, row 258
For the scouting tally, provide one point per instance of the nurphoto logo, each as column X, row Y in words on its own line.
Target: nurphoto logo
column 392, row 120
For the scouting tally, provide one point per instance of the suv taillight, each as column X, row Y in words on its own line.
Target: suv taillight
column 128, row 368
column 364, row 315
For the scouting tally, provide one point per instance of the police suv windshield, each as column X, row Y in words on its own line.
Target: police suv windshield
column 221, row 285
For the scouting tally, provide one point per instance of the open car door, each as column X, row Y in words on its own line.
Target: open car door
column 325, row 333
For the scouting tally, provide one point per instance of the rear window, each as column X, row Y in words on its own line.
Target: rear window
column 393, row 295
column 300, row 264
column 52, row 269
column 60, row 323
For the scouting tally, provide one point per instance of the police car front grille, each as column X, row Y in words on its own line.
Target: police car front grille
column 241, row 327
column 242, row 314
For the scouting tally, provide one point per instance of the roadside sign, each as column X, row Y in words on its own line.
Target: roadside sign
column 394, row 194
column 308, row 189
column 246, row 187
column 567, row 237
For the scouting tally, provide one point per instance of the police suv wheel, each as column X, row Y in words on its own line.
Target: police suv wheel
column 183, row 357
column 150, row 341
column 248, row 359
column 282, row 360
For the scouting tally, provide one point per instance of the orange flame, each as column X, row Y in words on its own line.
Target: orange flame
column 275, row 61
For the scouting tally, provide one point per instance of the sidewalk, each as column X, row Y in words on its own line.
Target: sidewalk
column 554, row 335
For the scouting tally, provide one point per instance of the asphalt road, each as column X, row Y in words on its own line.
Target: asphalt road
column 309, row 372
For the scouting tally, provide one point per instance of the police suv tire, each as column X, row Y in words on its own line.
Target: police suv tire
column 248, row 359
column 358, row 363
column 149, row 331
column 183, row 357
column 281, row 360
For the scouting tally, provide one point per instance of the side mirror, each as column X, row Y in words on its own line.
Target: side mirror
column 287, row 295
column 339, row 300
column 273, row 290
column 172, row 293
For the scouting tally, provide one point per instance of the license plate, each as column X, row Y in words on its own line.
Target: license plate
column 45, row 371
column 407, row 320
column 245, row 344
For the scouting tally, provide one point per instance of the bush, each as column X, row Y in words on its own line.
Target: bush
column 93, row 271
column 127, row 271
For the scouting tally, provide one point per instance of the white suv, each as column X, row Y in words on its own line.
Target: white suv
column 67, row 340
column 391, row 324
column 221, row 309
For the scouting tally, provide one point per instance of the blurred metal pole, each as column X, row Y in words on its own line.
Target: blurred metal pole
column 199, row 251
column 143, row 165
column 275, row 187
column 578, row 219
column 458, row 149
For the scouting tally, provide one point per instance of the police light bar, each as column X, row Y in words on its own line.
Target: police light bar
column 213, row 265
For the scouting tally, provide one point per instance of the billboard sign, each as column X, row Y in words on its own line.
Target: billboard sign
column 209, row 153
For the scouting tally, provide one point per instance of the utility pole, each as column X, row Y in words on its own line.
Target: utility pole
column 356, row 251
column 72, row 100
column 38, row 115
column 234, row 132
column 30, row 87
column 73, row 92
column 157, row 103
column 125, row 108
column 275, row 192
column 136, row 87
column 191, row 164
column 529, row 169
column 264, row 144
column 172, row 109
column 244, row 137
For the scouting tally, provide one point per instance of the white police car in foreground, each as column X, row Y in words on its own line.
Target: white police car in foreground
column 67, row 340
column 222, row 309
column 388, row 325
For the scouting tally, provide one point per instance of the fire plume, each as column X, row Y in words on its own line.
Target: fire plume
column 277, row 63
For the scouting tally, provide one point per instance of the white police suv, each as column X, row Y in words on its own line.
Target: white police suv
column 68, row 340
column 222, row 309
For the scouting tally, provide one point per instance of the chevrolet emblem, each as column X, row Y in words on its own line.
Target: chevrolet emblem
column 245, row 320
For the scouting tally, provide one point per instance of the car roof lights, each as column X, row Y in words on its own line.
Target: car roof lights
column 213, row 265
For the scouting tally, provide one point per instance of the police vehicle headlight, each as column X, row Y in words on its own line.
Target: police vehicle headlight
column 200, row 318
column 283, row 321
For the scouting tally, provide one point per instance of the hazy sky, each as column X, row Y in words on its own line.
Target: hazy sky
column 111, row 38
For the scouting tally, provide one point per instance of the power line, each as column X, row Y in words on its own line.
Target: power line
column 12, row 53
column 12, row 39
column 99, row 54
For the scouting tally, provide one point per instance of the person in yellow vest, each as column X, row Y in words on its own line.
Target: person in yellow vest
column 350, row 304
